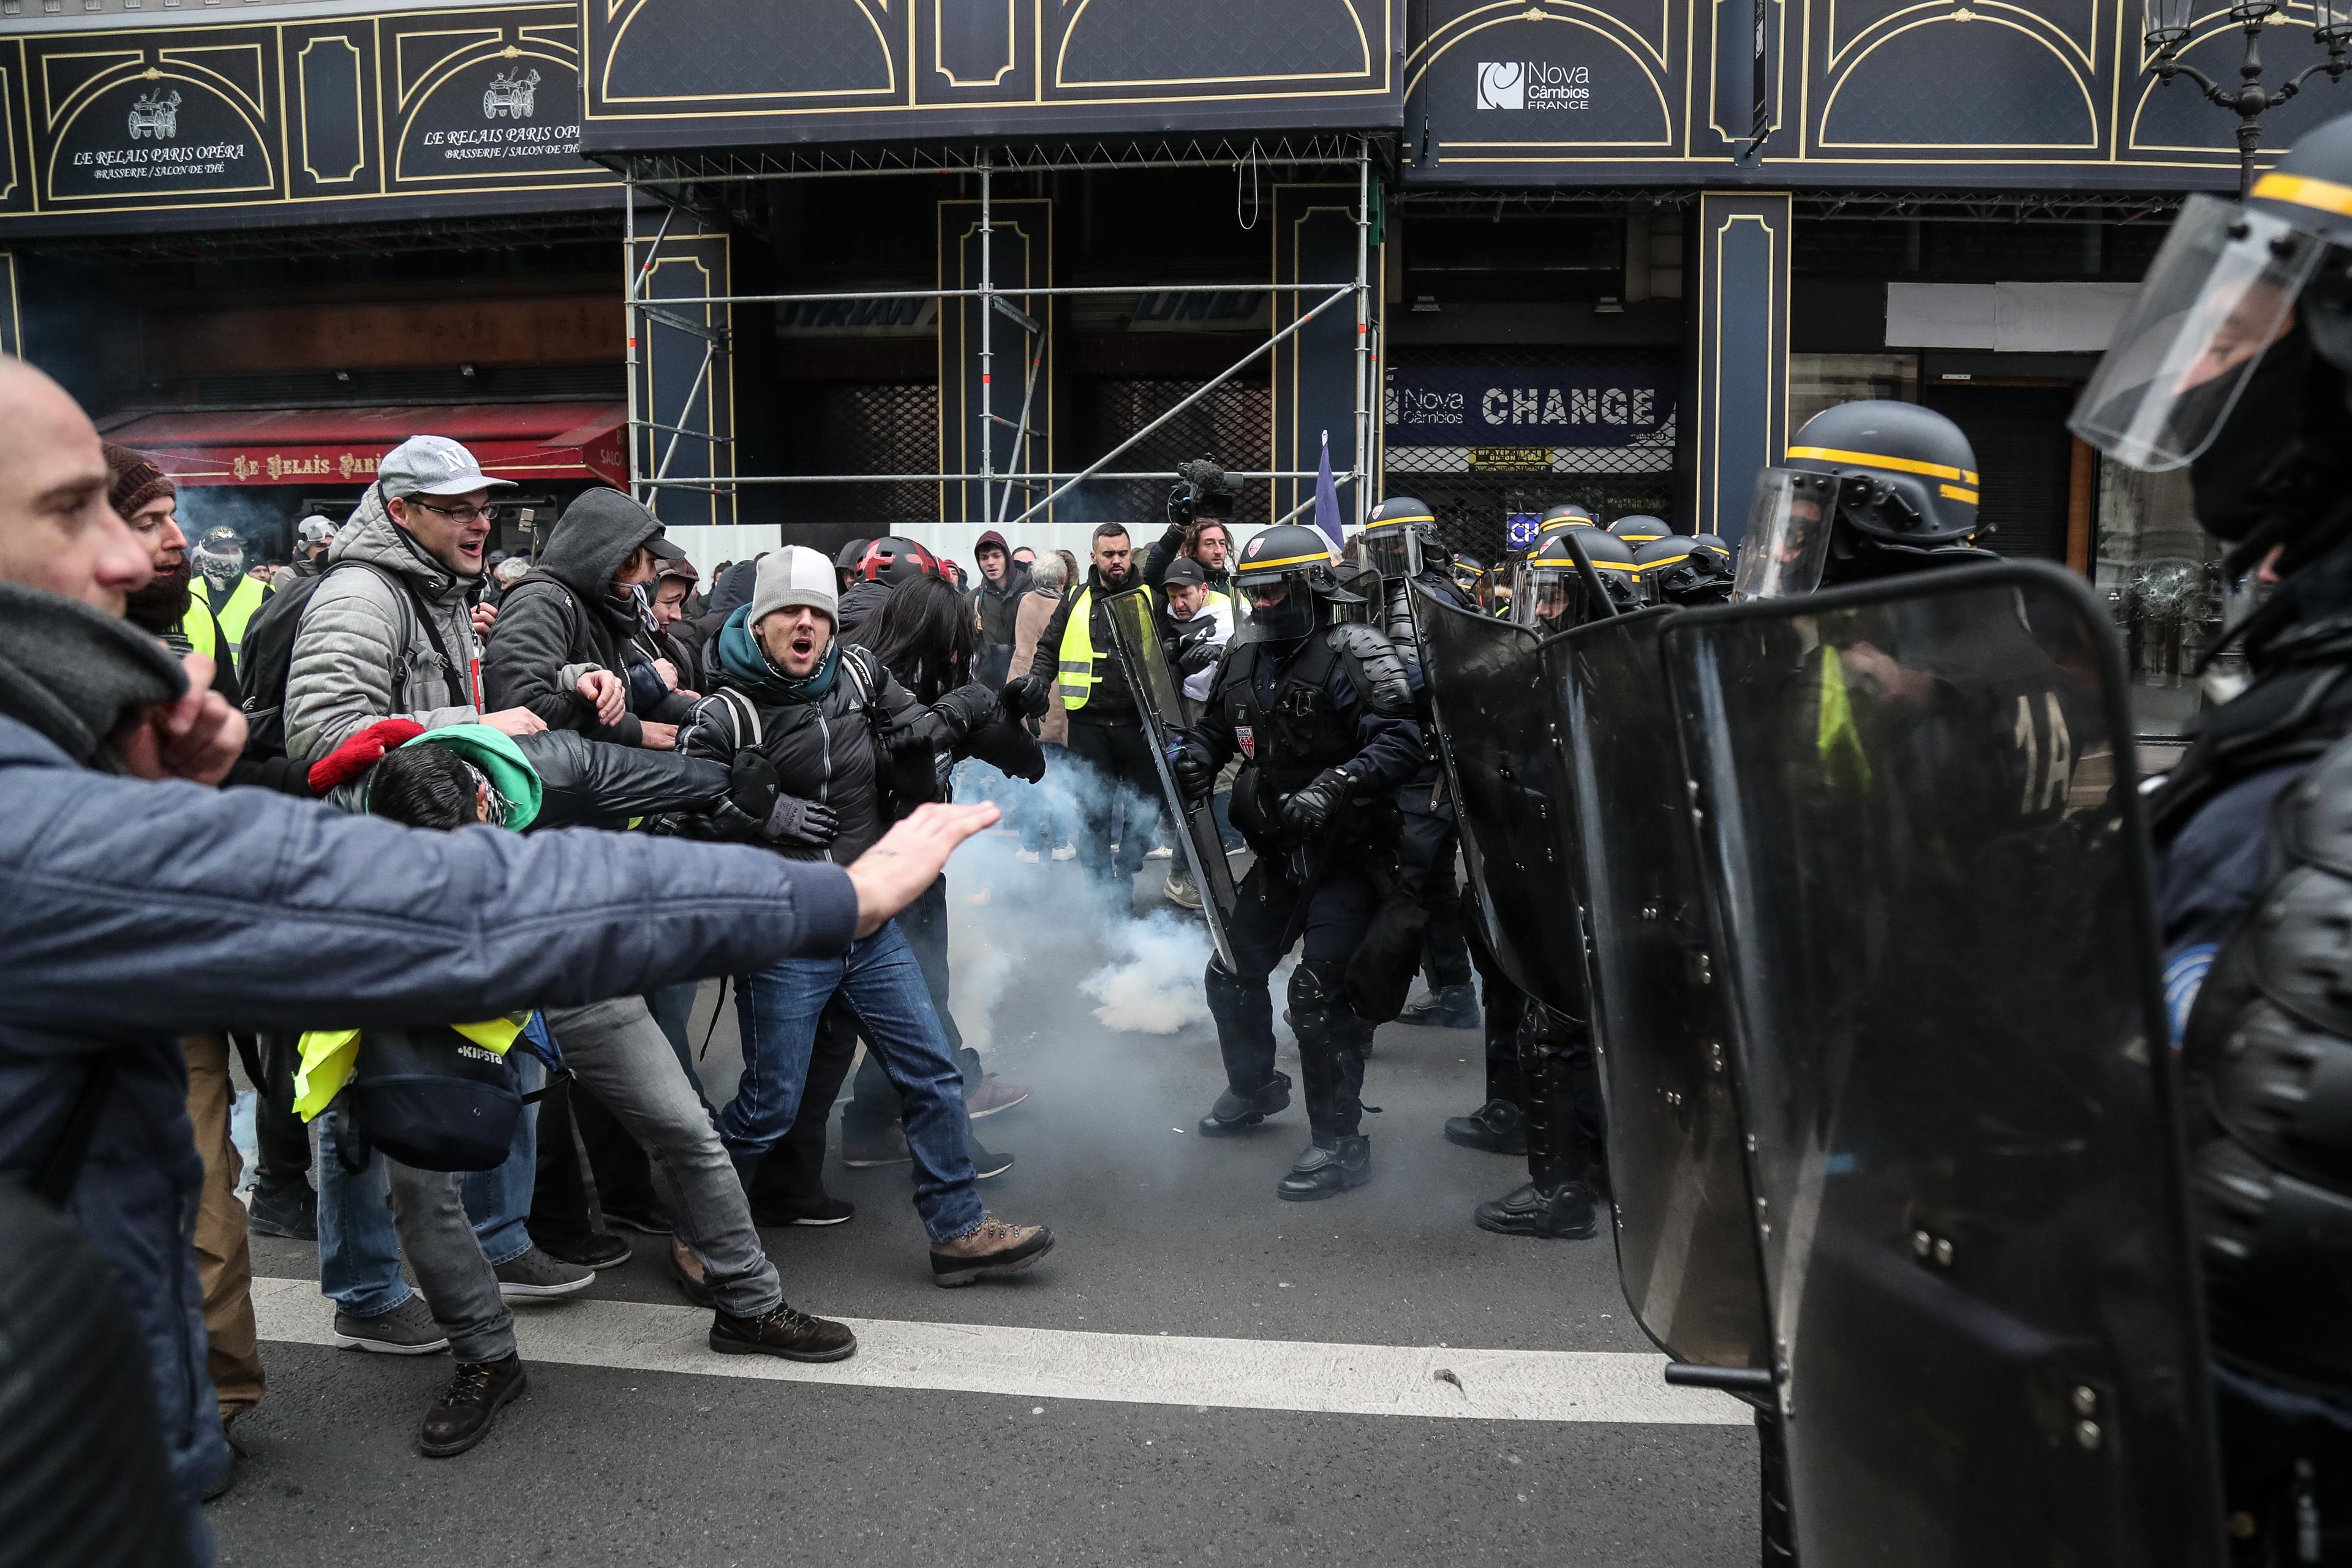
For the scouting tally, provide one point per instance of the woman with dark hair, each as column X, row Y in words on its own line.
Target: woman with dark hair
column 924, row 635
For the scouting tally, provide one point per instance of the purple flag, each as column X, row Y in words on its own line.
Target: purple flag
column 1327, row 498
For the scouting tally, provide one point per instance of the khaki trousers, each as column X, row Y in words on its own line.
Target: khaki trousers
column 223, row 1264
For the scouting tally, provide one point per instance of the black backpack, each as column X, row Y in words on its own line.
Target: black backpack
column 433, row 1100
column 266, row 657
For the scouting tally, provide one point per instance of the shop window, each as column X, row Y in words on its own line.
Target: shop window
column 2160, row 575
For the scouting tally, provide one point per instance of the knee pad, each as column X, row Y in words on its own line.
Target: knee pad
column 1314, row 1001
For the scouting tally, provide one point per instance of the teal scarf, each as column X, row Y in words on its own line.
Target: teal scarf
column 740, row 655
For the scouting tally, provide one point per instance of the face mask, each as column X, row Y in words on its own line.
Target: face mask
column 2259, row 472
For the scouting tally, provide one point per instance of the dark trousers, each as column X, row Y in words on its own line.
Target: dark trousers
column 1505, row 1003
column 1331, row 1035
column 282, row 1139
column 1425, row 852
column 1121, row 803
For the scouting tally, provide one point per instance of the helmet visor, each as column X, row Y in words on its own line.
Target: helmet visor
column 1788, row 539
column 2221, row 291
column 1392, row 549
column 1280, row 607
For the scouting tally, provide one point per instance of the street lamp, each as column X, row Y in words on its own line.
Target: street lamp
column 2167, row 30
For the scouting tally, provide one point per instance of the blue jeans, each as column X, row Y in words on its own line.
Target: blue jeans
column 358, row 1253
column 882, row 985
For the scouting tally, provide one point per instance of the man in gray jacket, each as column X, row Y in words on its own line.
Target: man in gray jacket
column 393, row 634
column 138, row 904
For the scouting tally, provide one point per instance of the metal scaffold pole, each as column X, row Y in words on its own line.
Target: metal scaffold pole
column 987, row 343
column 1363, row 463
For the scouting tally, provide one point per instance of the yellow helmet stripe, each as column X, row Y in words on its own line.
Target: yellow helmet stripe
column 1556, row 523
column 1875, row 460
column 1392, row 521
column 2303, row 191
column 1246, row 567
column 1955, row 493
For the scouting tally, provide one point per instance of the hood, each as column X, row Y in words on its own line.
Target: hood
column 858, row 601
column 1016, row 581
column 594, row 535
column 746, row 662
column 372, row 536
column 74, row 673
column 734, row 588
column 500, row 760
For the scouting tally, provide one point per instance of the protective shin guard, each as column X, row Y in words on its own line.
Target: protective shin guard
column 1331, row 1041
column 1563, row 1117
column 1244, row 1016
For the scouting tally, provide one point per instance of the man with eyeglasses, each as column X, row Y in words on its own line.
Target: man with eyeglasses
column 392, row 631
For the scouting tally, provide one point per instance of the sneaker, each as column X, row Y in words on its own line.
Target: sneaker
column 1499, row 1126
column 990, row 1250
column 985, row 1165
column 648, row 1222
column 1159, row 852
column 536, row 1276
column 687, row 1270
column 1067, row 852
column 602, row 1249
column 888, row 1147
column 993, row 1095
column 824, row 1209
column 781, row 1331
column 1028, row 857
column 461, row 1417
column 1178, row 889
column 1447, row 1007
column 293, row 1213
column 407, row 1329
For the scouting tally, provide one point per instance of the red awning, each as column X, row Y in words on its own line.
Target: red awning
column 518, row 441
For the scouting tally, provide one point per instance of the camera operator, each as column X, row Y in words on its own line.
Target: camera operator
column 1198, row 506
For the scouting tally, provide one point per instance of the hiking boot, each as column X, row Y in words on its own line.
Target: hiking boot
column 292, row 1214
column 781, row 1331
column 1499, row 1126
column 1566, row 1212
column 1235, row 1111
column 1324, row 1171
column 821, row 1209
column 993, row 1095
column 984, row 1163
column 599, row 1249
column 407, row 1329
column 687, row 1270
column 533, row 1275
column 885, row 1147
column 1179, row 888
column 1446, row 1007
column 461, row 1417
column 989, row 1250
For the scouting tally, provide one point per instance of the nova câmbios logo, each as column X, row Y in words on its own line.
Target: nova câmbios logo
column 1533, row 84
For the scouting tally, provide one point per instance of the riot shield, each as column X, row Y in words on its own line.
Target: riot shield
column 1685, row 1238
column 1486, row 693
column 1928, row 891
column 1135, row 629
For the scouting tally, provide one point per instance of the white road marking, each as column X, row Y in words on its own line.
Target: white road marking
column 1132, row 1368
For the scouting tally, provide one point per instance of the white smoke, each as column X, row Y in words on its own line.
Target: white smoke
column 1150, row 982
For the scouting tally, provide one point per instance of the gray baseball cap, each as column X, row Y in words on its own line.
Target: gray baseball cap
column 432, row 465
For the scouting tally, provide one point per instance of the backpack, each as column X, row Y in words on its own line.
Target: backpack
column 266, row 657
column 435, row 1101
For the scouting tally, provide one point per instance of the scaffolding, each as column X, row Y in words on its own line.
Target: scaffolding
column 684, row 183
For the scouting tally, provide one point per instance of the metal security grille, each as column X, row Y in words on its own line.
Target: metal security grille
column 1475, row 491
column 1233, row 425
column 866, row 428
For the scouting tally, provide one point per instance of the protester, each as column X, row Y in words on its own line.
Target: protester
column 1208, row 543
column 313, row 537
column 1199, row 623
column 230, row 593
column 730, row 591
column 569, row 645
column 100, row 850
column 1038, row 811
column 507, row 573
column 1025, row 558
column 672, row 595
column 998, row 599
column 828, row 719
column 1077, row 665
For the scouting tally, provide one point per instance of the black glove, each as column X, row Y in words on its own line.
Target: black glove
column 1309, row 811
column 1194, row 651
column 804, row 824
column 752, row 785
column 1025, row 697
column 920, row 730
column 1195, row 777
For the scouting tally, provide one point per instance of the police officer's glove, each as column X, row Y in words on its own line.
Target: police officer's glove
column 1024, row 697
column 751, row 785
column 803, row 824
column 1310, row 810
column 1194, row 651
column 1196, row 778
column 920, row 730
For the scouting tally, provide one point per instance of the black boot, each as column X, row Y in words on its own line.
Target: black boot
column 1499, row 1126
column 1232, row 1113
column 461, row 1417
column 1325, row 1169
column 1567, row 1212
column 1446, row 1007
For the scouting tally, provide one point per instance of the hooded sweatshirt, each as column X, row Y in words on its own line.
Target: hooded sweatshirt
column 564, row 613
column 999, row 604
column 730, row 593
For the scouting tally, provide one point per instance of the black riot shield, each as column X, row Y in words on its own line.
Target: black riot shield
column 1502, row 764
column 1686, row 1237
column 1929, row 897
column 1135, row 628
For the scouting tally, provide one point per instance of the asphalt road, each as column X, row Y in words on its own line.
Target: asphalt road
column 1158, row 1233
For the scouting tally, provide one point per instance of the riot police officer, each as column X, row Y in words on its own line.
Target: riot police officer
column 1552, row 597
column 1322, row 715
column 2248, row 386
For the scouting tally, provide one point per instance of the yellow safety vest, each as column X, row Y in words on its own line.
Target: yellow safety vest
column 233, row 615
column 1079, row 655
column 1214, row 600
column 328, row 1058
column 198, row 627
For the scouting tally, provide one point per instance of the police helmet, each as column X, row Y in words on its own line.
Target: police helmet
column 891, row 561
column 1684, row 569
column 1638, row 529
column 1296, row 560
column 1551, row 594
column 1394, row 536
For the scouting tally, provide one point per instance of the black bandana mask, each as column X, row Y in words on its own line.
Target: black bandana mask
column 2264, row 472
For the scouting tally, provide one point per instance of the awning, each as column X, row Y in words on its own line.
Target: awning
column 518, row 441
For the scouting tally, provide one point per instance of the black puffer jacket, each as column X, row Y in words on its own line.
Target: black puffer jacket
column 729, row 595
column 563, row 613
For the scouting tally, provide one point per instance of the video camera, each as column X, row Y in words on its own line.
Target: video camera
column 1202, row 489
